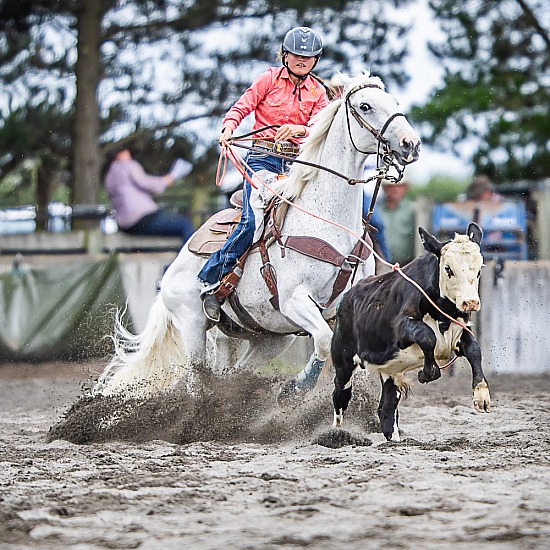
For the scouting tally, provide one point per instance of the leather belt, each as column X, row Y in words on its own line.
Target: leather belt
column 281, row 147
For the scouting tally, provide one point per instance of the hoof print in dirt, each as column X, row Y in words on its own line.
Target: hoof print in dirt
column 336, row 438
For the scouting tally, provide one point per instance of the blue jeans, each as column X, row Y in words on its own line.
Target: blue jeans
column 221, row 262
column 163, row 223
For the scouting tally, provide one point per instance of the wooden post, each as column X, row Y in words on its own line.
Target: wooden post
column 423, row 207
column 542, row 224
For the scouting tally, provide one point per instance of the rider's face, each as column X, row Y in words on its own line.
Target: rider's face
column 299, row 65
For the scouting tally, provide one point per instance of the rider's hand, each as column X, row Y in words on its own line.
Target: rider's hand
column 225, row 134
column 289, row 130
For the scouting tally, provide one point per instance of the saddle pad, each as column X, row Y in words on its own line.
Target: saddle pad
column 213, row 233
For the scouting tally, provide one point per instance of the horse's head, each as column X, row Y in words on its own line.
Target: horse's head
column 374, row 122
column 460, row 263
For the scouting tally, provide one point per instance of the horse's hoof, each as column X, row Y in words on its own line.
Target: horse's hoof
column 422, row 377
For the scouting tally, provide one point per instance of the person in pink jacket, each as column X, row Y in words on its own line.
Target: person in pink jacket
column 286, row 97
column 130, row 190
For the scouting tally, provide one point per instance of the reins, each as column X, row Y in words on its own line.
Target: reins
column 382, row 173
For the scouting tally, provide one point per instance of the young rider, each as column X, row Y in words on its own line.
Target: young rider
column 287, row 97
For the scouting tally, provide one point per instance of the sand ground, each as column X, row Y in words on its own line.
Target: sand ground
column 230, row 469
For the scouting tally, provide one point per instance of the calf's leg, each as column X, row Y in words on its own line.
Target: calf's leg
column 342, row 390
column 469, row 348
column 387, row 409
column 413, row 331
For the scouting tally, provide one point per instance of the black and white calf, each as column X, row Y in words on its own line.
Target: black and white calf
column 385, row 324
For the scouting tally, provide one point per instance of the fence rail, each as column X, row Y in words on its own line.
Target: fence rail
column 85, row 242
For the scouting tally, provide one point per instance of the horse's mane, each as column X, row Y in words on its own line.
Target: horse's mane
column 312, row 149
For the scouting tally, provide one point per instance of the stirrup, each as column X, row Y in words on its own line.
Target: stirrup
column 209, row 289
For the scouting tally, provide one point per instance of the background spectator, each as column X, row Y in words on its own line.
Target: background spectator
column 130, row 189
column 378, row 236
column 482, row 189
column 399, row 215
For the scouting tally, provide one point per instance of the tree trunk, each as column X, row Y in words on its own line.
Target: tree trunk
column 86, row 152
column 44, row 176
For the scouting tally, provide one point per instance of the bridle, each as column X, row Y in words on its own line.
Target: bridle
column 384, row 152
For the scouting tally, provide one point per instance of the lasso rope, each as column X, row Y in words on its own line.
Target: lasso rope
column 243, row 168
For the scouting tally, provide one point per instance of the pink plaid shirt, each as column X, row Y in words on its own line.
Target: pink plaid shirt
column 272, row 99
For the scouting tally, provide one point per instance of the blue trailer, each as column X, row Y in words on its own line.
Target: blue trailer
column 504, row 225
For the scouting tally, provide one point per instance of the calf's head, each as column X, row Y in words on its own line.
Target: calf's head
column 460, row 263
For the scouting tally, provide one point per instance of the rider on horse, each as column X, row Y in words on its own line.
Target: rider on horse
column 286, row 97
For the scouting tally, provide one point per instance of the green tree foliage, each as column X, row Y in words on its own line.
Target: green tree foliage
column 440, row 189
column 495, row 98
column 158, row 72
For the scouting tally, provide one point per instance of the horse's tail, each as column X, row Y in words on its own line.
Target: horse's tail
column 147, row 363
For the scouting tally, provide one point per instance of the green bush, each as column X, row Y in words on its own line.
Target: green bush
column 440, row 189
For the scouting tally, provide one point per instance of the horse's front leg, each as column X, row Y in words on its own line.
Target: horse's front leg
column 302, row 310
column 414, row 331
column 469, row 348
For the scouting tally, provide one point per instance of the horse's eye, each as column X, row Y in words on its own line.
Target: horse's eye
column 365, row 107
column 449, row 271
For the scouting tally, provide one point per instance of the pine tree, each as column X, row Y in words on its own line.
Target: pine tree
column 79, row 75
column 495, row 99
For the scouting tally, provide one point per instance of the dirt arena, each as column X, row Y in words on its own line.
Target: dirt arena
column 230, row 469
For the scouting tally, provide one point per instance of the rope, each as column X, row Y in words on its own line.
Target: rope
column 239, row 163
column 350, row 181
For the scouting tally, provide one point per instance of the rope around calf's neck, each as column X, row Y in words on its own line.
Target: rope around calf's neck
column 242, row 167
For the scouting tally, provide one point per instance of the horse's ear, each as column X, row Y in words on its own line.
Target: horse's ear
column 431, row 244
column 475, row 233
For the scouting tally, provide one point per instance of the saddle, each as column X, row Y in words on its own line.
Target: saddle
column 212, row 235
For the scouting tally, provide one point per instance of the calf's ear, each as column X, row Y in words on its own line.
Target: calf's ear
column 475, row 233
column 431, row 244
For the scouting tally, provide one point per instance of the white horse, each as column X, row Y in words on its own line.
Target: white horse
column 172, row 345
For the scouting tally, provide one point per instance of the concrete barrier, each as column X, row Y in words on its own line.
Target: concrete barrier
column 514, row 322
column 74, row 242
column 512, row 327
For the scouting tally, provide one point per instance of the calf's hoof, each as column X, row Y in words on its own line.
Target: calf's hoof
column 425, row 376
column 392, row 435
column 482, row 398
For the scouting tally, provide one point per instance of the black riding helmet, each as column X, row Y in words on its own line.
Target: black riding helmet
column 301, row 41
